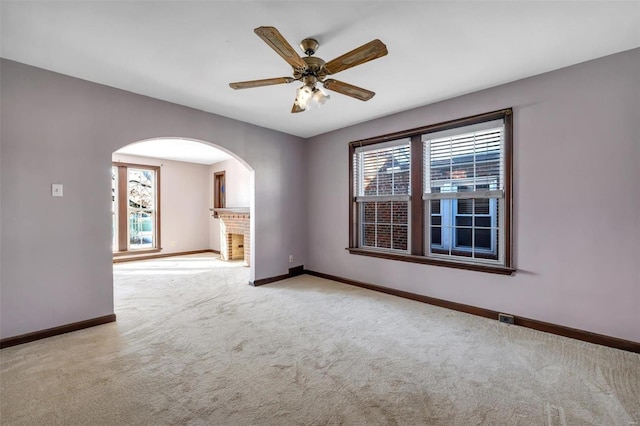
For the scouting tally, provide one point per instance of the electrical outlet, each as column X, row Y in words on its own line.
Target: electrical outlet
column 507, row 319
column 290, row 258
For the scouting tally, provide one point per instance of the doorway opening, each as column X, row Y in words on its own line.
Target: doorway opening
column 168, row 196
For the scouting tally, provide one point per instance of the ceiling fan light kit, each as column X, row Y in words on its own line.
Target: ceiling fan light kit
column 312, row 70
column 308, row 96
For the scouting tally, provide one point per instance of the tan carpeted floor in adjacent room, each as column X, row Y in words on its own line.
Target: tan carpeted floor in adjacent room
column 195, row 345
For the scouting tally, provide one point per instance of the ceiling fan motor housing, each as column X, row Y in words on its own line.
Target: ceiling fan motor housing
column 315, row 67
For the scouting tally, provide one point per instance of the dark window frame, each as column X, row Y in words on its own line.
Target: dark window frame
column 123, row 249
column 384, row 200
column 417, row 219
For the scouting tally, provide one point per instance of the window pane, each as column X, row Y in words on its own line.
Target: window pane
column 436, row 235
column 439, row 171
column 383, row 236
column 400, row 237
column 483, row 238
column 482, row 221
column 400, row 212
column 370, row 183
column 369, row 235
column 141, row 189
column 465, row 206
column 369, row 212
column 463, row 237
column 481, row 206
column 140, row 229
column 463, row 220
column 401, row 182
column 384, row 212
column 385, row 184
column 484, row 249
column 435, row 206
column 462, row 171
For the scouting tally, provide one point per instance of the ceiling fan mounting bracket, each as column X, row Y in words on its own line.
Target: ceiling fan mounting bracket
column 309, row 46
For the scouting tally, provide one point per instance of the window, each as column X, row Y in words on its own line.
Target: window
column 383, row 185
column 135, row 207
column 463, row 183
column 439, row 194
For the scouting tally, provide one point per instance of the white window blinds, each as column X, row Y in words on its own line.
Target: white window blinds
column 382, row 171
column 465, row 162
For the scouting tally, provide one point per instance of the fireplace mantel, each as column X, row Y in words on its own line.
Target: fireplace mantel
column 231, row 210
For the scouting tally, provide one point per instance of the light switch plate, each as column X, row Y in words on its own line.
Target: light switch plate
column 56, row 190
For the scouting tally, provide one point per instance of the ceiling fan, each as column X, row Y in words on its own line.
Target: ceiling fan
column 311, row 70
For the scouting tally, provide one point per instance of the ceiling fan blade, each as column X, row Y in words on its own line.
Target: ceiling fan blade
column 295, row 108
column 274, row 39
column 348, row 89
column 365, row 53
column 259, row 83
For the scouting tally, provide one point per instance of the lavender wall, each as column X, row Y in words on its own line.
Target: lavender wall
column 576, row 200
column 56, row 252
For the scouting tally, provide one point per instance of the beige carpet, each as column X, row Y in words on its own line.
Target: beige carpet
column 195, row 345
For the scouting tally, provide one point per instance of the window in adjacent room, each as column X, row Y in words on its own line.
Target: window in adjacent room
column 440, row 194
column 135, row 207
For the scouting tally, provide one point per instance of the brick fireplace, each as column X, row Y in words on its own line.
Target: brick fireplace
column 235, row 240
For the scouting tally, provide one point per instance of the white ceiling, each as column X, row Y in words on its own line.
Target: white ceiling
column 176, row 149
column 188, row 52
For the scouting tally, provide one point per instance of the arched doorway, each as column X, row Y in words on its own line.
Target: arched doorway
column 164, row 191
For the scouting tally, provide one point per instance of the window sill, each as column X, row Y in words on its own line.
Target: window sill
column 502, row 270
column 135, row 252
